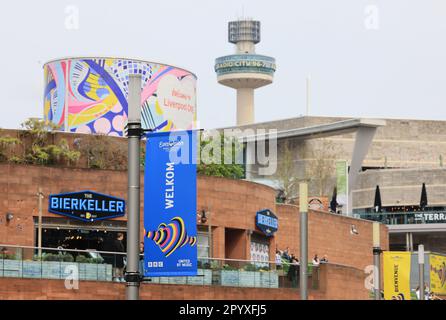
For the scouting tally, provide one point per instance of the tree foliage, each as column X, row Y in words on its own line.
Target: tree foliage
column 38, row 146
column 287, row 175
column 7, row 148
column 42, row 149
column 102, row 152
column 214, row 152
column 321, row 165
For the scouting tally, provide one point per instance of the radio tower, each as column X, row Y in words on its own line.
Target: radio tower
column 245, row 70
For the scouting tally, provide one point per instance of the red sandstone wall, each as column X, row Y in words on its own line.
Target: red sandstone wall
column 336, row 282
column 342, row 283
column 231, row 203
column 18, row 194
column 329, row 234
column 30, row 289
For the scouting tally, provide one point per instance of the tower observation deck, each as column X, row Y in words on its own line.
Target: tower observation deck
column 245, row 70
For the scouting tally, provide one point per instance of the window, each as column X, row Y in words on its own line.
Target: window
column 203, row 245
column 260, row 253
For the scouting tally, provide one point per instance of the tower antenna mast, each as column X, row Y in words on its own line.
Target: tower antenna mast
column 245, row 70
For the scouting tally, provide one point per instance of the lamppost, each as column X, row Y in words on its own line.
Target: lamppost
column 376, row 260
column 421, row 270
column 39, row 223
column 134, row 133
column 303, row 204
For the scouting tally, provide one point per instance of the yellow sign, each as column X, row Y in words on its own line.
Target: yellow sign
column 397, row 275
column 438, row 274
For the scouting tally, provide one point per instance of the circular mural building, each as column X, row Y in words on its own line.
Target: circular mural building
column 89, row 95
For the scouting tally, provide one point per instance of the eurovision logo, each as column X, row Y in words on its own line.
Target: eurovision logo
column 86, row 205
column 170, row 237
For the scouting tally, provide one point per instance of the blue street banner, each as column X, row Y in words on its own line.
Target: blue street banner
column 170, row 208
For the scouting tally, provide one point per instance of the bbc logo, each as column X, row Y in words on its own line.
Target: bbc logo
column 155, row 264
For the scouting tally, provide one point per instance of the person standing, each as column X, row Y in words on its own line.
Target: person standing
column 316, row 261
column 286, row 255
column 141, row 260
column 293, row 271
column 118, row 247
column 278, row 260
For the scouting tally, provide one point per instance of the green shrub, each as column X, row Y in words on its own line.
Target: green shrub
column 229, row 268
column 67, row 258
column 8, row 256
column 7, row 146
column 95, row 260
column 82, row 259
column 16, row 160
column 49, row 257
column 215, row 265
column 39, row 146
column 54, row 257
column 250, row 267
column 36, row 257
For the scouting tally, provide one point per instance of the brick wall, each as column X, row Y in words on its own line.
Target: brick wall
column 339, row 282
column 329, row 234
column 231, row 203
column 336, row 282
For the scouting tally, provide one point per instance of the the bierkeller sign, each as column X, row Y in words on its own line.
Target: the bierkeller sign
column 267, row 222
column 86, row 205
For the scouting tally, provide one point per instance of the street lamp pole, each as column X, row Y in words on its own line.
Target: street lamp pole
column 211, row 249
column 39, row 223
column 421, row 270
column 303, row 204
column 376, row 260
column 134, row 133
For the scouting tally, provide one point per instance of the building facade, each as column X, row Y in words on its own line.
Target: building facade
column 229, row 234
column 89, row 95
column 402, row 156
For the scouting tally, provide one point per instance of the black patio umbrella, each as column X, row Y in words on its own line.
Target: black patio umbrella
column 333, row 202
column 423, row 200
column 377, row 205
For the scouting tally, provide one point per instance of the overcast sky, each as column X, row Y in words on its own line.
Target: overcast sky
column 366, row 58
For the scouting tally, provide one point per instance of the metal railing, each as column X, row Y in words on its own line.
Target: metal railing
column 410, row 217
column 53, row 263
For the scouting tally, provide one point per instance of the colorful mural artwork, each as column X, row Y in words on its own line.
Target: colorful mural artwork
column 89, row 95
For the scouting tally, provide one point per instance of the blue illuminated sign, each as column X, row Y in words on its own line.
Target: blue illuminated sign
column 86, row 205
column 267, row 222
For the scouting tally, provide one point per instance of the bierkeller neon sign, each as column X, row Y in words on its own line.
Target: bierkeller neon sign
column 86, row 205
column 267, row 222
